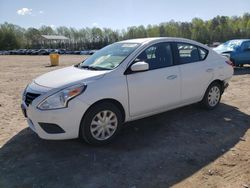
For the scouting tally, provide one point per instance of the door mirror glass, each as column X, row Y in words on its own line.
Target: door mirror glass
column 140, row 66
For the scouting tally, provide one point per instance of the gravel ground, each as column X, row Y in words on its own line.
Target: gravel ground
column 186, row 147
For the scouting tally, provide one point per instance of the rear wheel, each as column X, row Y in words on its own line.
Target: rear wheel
column 101, row 123
column 212, row 96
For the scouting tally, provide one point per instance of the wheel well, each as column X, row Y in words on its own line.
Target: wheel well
column 113, row 101
column 221, row 83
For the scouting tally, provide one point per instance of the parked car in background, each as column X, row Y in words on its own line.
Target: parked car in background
column 13, row 52
column 46, row 52
column 51, row 51
column 84, row 52
column 124, row 81
column 91, row 52
column 43, row 52
column 62, row 51
column 76, row 52
column 28, row 52
column 68, row 52
column 4, row 52
column 35, row 52
column 238, row 51
column 215, row 44
column 20, row 52
column 87, row 52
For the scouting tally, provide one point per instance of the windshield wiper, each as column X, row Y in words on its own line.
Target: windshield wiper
column 87, row 67
column 93, row 67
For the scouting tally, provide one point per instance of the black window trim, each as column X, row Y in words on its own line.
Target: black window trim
column 175, row 62
column 178, row 55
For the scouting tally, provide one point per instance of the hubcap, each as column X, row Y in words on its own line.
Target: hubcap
column 213, row 96
column 103, row 125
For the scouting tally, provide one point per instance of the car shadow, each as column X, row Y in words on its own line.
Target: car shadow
column 242, row 70
column 158, row 151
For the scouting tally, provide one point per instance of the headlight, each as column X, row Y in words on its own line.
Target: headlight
column 61, row 98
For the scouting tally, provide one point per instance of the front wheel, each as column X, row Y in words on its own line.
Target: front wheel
column 101, row 123
column 212, row 96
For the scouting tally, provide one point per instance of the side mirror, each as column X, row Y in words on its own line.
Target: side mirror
column 139, row 66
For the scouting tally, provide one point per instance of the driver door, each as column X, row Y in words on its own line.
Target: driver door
column 244, row 57
column 157, row 88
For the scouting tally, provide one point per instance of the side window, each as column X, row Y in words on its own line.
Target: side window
column 246, row 46
column 157, row 56
column 150, row 52
column 188, row 53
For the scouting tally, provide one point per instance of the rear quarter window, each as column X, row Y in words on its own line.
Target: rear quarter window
column 203, row 53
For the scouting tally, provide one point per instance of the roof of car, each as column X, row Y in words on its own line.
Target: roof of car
column 163, row 39
column 240, row 40
column 138, row 40
column 143, row 40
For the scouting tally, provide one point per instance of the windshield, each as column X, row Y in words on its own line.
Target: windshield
column 109, row 57
column 229, row 45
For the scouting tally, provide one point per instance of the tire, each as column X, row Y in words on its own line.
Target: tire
column 101, row 123
column 212, row 96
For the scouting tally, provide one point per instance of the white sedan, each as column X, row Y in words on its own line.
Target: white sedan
column 122, row 82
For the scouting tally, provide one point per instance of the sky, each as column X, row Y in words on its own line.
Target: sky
column 115, row 14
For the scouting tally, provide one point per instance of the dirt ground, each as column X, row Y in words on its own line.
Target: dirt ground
column 186, row 147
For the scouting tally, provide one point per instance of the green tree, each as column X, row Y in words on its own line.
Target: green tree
column 33, row 36
column 199, row 31
column 218, row 29
column 9, row 37
column 46, row 30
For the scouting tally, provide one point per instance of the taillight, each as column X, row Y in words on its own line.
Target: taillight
column 230, row 63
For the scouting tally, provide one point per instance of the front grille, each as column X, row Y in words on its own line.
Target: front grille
column 29, row 97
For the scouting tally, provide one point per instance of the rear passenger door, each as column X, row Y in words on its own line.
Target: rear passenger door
column 196, row 72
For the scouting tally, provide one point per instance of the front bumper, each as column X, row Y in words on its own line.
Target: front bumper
column 67, row 119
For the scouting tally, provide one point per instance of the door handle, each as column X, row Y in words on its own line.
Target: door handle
column 171, row 77
column 209, row 70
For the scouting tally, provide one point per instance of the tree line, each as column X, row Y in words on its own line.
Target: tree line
column 218, row 29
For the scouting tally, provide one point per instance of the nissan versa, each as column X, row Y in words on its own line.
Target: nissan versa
column 122, row 82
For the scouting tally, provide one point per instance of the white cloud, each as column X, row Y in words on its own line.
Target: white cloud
column 52, row 26
column 41, row 12
column 95, row 24
column 24, row 11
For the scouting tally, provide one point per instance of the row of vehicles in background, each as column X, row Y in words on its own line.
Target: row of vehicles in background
column 238, row 51
column 46, row 52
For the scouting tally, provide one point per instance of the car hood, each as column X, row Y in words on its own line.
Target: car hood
column 61, row 77
column 223, row 50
